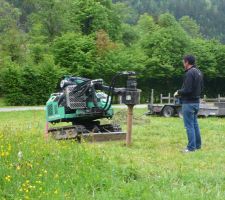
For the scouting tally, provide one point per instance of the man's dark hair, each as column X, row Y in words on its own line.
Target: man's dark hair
column 190, row 59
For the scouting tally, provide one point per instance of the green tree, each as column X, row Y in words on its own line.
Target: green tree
column 129, row 35
column 120, row 59
column 219, row 51
column 166, row 20
column 165, row 49
column 9, row 16
column 75, row 52
column 206, row 58
column 26, row 7
column 12, row 39
column 146, row 25
column 13, row 45
column 96, row 15
column 190, row 26
column 53, row 16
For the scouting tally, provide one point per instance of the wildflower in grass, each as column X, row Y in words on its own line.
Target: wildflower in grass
column 32, row 186
column 38, row 182
column 5, row 150
column 29, row 164
column 20, row 155
column 8, row 178
column 27, row 186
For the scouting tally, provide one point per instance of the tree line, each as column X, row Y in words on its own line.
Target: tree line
column 40, row 41
column 209, row 14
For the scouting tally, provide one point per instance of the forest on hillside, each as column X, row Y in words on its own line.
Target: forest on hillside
column 209, row 14
column 42, row 40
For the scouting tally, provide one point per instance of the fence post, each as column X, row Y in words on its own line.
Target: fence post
column 169, row 100
column 219, row 98
column 161, row 98
column 204, row 98
column 152, row 96
column 129, row 124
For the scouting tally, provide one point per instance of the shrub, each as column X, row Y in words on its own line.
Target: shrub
column 29, row 85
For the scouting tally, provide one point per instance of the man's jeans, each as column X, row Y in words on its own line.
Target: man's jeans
column 190, row 112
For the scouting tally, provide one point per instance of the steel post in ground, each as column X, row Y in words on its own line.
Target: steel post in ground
column 129, row 125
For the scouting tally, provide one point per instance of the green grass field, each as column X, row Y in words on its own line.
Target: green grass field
column 152, row 168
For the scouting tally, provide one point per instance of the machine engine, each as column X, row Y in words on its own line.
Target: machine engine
column 78, row 101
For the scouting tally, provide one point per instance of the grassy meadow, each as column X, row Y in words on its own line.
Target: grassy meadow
column 152, row 168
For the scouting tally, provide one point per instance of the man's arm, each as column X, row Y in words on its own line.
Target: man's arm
column 187, row 86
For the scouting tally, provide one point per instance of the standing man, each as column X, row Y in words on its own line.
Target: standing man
column 190, row 98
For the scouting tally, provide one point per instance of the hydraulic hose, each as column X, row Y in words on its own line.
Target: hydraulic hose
column 110, row 92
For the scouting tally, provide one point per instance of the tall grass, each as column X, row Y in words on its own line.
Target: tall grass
column 152, row 168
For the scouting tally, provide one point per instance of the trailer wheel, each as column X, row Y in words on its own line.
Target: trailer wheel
column 168, row 111
column 179, row 112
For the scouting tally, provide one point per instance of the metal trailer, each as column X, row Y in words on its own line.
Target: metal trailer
column 208, row 107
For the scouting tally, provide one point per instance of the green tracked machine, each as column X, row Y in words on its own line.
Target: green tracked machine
column 83, row 102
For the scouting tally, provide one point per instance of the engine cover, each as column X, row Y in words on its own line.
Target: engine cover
column 75, row 100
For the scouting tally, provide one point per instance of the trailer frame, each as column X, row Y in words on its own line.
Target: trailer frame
column 208, row 107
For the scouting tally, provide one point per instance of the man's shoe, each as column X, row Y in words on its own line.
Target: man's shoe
column 186, row 150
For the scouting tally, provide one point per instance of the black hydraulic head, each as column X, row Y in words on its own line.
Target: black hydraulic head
column 131, row 95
